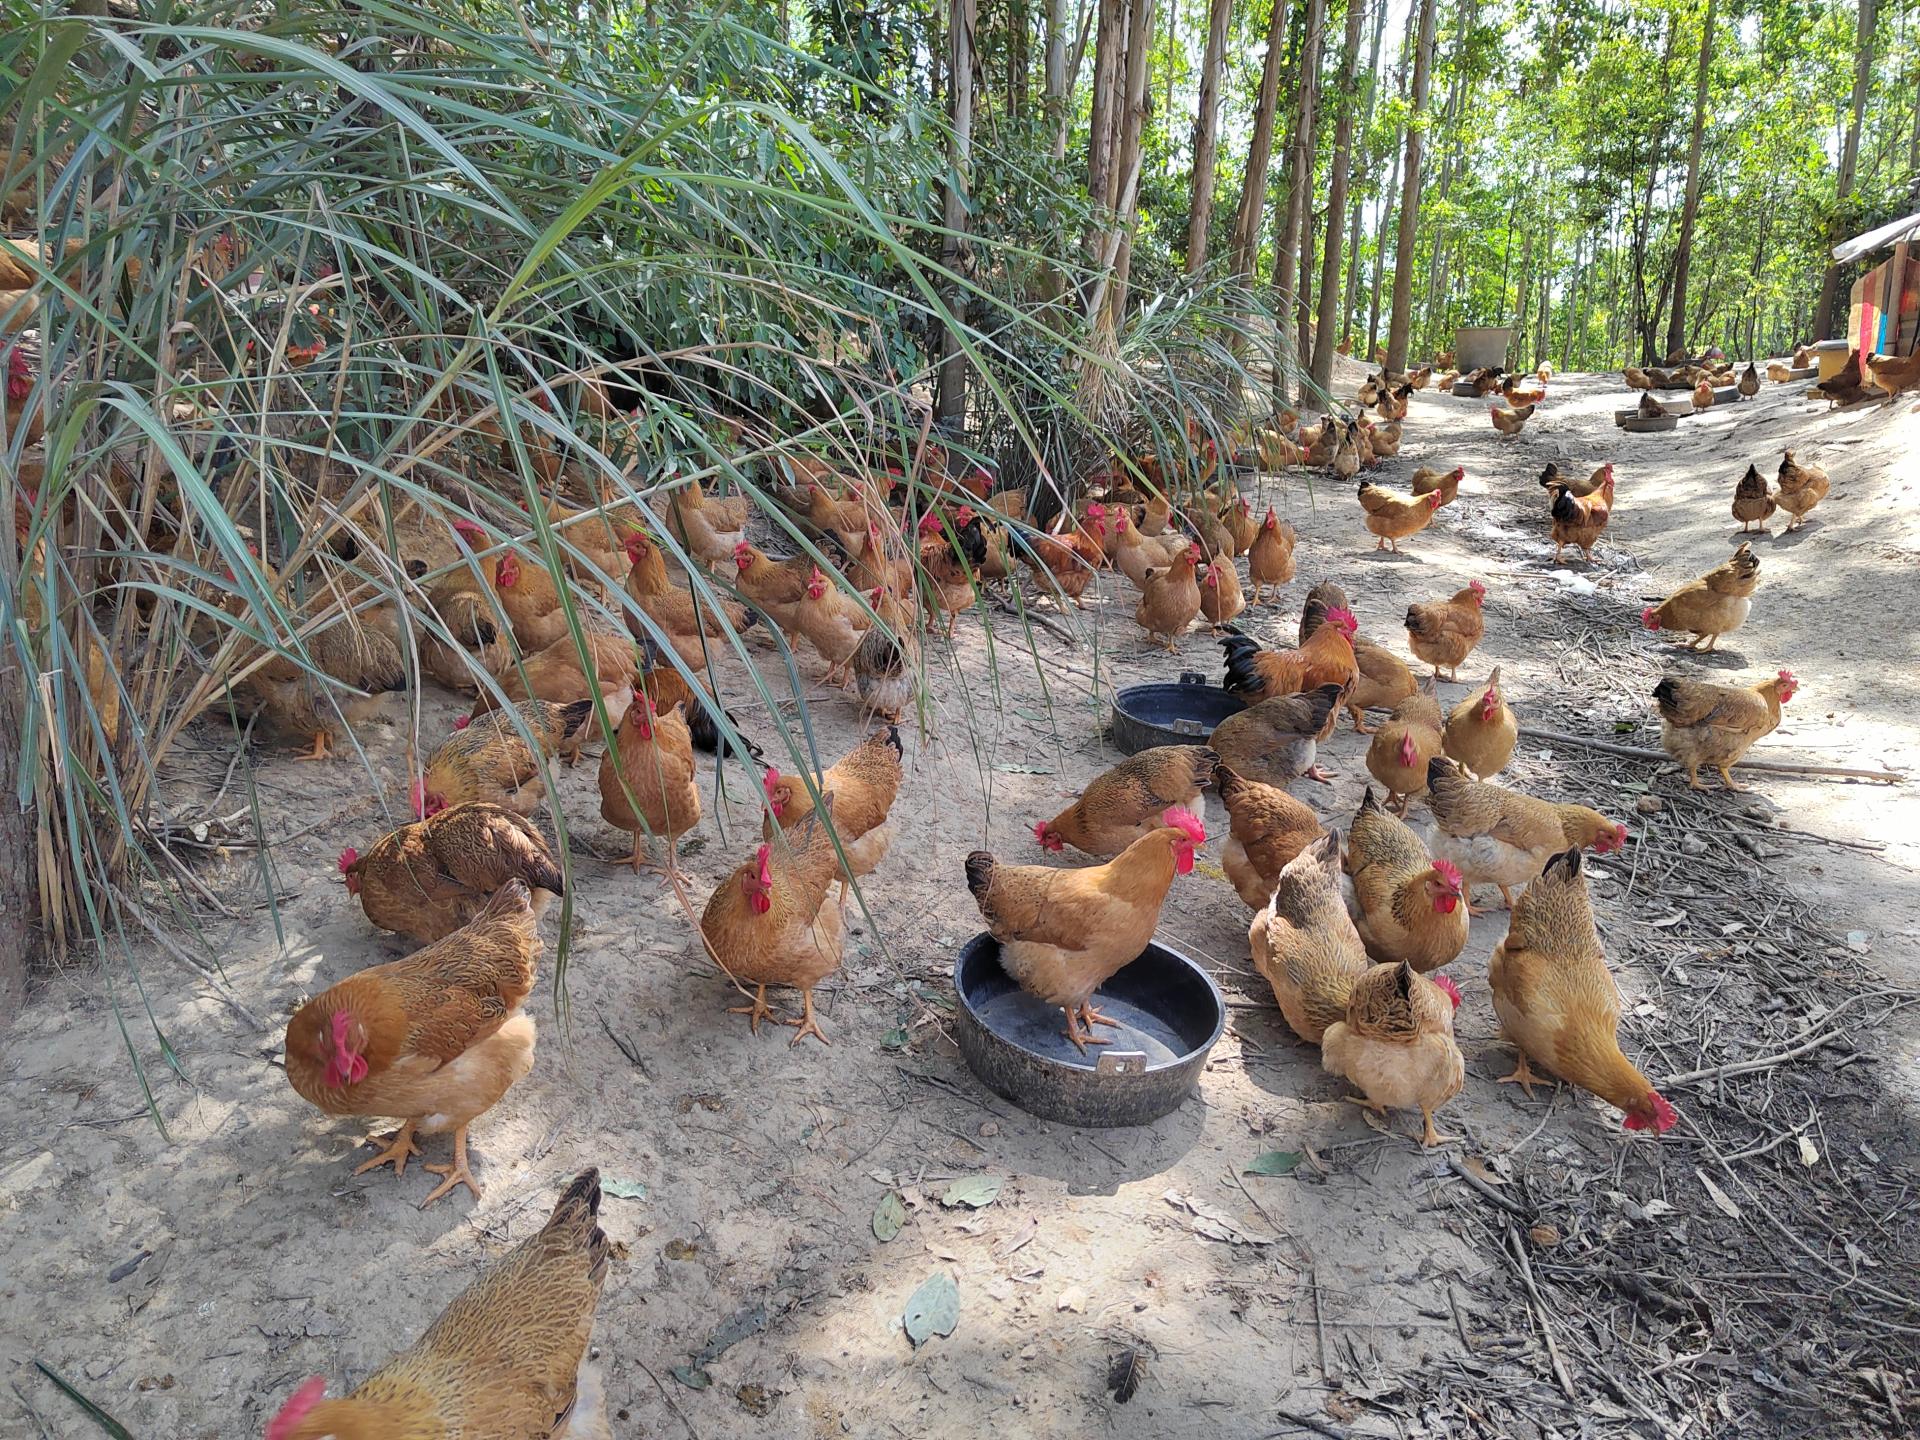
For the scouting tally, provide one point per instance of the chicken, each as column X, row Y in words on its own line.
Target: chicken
column 774, row 588
column 1134, row 554
column 1894, row 374
column 833, row 622
column 1714, row 725
column 1444, row 632
column 508, row 1357
column 1404, row 903
column 362, row 650
column 1382, row 679
column 1511, row 422
column 949, row 571
column 1304, row 943
column 1347, row 456
column 1580, row 485
column 488, row 759
column 1649, row 408
column 1481, row 731
column 558, row 673
column 768, row 922
column 1170, row 599
column 1799, row 489
column 1779, row 374
column 1753, row 502
column 711, row 531
column 1714, row 605
column 1398, row 754
column 525, row 590
column 1065, row 933
column 1703, row 395
column 433, row 1040
column 886, row 667
column 1268, row 827
column 1270, row 557
column 1844, row 387
column 691, row 624
column 1393, row 518
column 1558, row 1003
column 1220, row 597
column 1396, row 1044
column 1068, row 562
column 19, row 386
column 1325, row 657
column 1129, row 801
column 1241, row 525
column 1444, row 483
column 1384, row 439
column 647, row 781
column 1637, row 379
column 846, row 521
column 864, row 783
column 1804, row 356
column 1154, row 517
column 1579, row 521
column 427, row 879
column 1500, row 837
column 1274, row 741
column 1749, row 384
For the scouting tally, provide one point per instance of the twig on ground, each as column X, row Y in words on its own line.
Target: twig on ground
column 1560, row 1372
column 1487, row 1192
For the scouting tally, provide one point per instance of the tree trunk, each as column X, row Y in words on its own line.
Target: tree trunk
column 1109, row 50
column 1849, row 159
column 1690, row 210
column 1110, row 295
column 1380, row 239
column 1019, row 81
column 1913, row 144
column 1206, row 135
column 20, row 940
column 1063, row 67
column 1543, row 332
column 1350, row 302
column 1328, row 313
column 1300, row 157
column 950, row 403
column 1400, row 327
column 1303, row 302
column 1573, row 303
column 1253, row 192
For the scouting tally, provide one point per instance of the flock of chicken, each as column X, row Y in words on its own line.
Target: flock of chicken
column 1352, row 932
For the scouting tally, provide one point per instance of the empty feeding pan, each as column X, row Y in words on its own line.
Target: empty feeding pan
column 1182, row 714
column 1170, row 1015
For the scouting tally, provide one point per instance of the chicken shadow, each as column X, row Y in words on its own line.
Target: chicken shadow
column 1386, row 556
column 1789, row 538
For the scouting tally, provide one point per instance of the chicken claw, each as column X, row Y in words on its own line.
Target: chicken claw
column 1320, row 773
column 806, row 1023
column 400, row 1149
column 457, row 1173
column 1431, row 1137
column 1090, row 1015
column 1080, row 1036
column 1522, row 1075
column 322, row 748
column 755, row 1012
column 1727, row 780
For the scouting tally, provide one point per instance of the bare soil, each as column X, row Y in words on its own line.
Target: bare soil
column 1751, row 1273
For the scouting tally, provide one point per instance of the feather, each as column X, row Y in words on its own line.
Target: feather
column 1125, row 1372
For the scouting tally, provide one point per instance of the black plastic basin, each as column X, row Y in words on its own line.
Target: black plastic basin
column 1170, row 1011
column 1182, row 714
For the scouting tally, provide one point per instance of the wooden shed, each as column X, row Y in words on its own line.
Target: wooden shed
column 1884, row 318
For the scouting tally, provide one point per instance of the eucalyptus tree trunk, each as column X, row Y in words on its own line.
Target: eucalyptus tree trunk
column 20, row 940
column 1124, row 111
column 1206, row 134
column 1253, row 193
column 1400, row 327
column 1300, row 155
column 1328, row 317
column 1690, row 210
column 1849, row 160
column 1350, row 302
column 1109, row 49
column 1380, row 234
column 950, row 401
column 1127, row 152
column 1573, row 303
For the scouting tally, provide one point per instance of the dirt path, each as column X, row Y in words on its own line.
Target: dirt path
column 1376, row 1289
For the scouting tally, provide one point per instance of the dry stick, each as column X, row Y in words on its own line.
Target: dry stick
column 1306, row 1422
column 1485, row 1191
column 1767, row 1062
column 1772, row 767
column 1560, row 1372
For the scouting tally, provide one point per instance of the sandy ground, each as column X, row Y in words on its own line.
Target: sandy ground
column 189, row 1283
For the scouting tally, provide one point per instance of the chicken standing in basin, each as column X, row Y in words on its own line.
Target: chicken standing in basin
column 427, row 879
column 1500, row 837
column 1558, row 1003
column 1714, row 605
column 1131, row 800
column 1405, row 904
column 1714, row 725
column 508, row 1357
column 1268, row 827
column 1396, row 1044
column 1064, row 933
column 1481, row 731
column 1304, row 943
column 433, row 1040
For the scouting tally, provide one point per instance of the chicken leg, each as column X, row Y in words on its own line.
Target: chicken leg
column 400, row 1149
column 1522, row 1075
column 806, row 1023
column 456, row 1174
column 1431, row 1137
column 1090, row 1016
column 1726, row 779
column 1081, row 1036
column 322, row 748
column 755, row 1012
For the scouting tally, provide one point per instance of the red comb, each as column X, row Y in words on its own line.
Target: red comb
column 296, row 1408
column 347, row 858
column 1446, row 984
column 1185, row 821
column 1447, row 871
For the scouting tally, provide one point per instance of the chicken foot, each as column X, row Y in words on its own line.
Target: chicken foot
column 1522, row 1075
column 806, row 1023
column 456, row 1174
column 755, row 1012
column 1430, row 1136
column 322, row 748
column 1083, row 1036
column 400, row 1149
